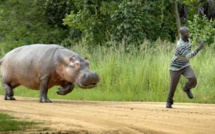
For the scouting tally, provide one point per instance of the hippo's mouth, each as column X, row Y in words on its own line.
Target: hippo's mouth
column 79, row 84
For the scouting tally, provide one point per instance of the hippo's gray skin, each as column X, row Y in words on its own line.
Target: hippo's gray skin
column 40, row 67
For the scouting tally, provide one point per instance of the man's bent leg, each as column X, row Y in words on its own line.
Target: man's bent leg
column 191, row 83
column 190, row 75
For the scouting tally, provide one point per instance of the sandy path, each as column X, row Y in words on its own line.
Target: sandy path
column 96, row 117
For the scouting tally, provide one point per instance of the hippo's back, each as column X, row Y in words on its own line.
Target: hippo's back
column 26, row 55
column 26, row 65
column 35, row 49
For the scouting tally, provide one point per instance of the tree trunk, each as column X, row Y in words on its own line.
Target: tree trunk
column 177, row 18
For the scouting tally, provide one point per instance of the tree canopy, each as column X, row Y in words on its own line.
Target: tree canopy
column 102, row 22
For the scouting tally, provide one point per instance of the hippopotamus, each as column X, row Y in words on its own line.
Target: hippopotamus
column 42, row 66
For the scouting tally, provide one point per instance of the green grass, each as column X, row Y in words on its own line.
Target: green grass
column 9, row 123
column 138, row 75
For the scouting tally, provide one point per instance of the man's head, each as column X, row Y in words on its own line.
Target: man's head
column 184, row 31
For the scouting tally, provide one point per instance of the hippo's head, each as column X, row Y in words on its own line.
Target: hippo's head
column 77, row 71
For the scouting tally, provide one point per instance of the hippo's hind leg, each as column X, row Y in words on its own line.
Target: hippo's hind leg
column 44, row 90
column 66, row 88
column 8, row 91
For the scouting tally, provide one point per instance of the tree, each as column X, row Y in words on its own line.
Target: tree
column 177, row 18
column 98, row 22
column 200, row 21
column 127, row 20
column 26, row 22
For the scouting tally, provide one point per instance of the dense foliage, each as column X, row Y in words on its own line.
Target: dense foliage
column 131, row 21
column 101, row 22
column 26, row 22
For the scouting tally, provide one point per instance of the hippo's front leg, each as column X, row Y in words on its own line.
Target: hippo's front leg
column 66, row 88
column 44, row 90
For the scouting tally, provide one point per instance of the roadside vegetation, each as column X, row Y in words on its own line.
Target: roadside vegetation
column 9, row 124
column 138, row 74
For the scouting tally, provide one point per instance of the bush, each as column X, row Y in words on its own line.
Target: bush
column 202, row 29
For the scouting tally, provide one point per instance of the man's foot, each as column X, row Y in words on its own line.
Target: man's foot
column 168, row 105
column 189, row 94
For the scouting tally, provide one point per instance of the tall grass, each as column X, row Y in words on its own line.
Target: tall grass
column 138, row 75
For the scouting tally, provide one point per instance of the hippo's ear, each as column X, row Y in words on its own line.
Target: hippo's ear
column 87, row 60
column 67, row 61
column 70, row 59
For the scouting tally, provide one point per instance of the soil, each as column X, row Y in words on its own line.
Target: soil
column 102, row 117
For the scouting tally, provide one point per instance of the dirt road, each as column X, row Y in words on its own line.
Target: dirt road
column 96, row 117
